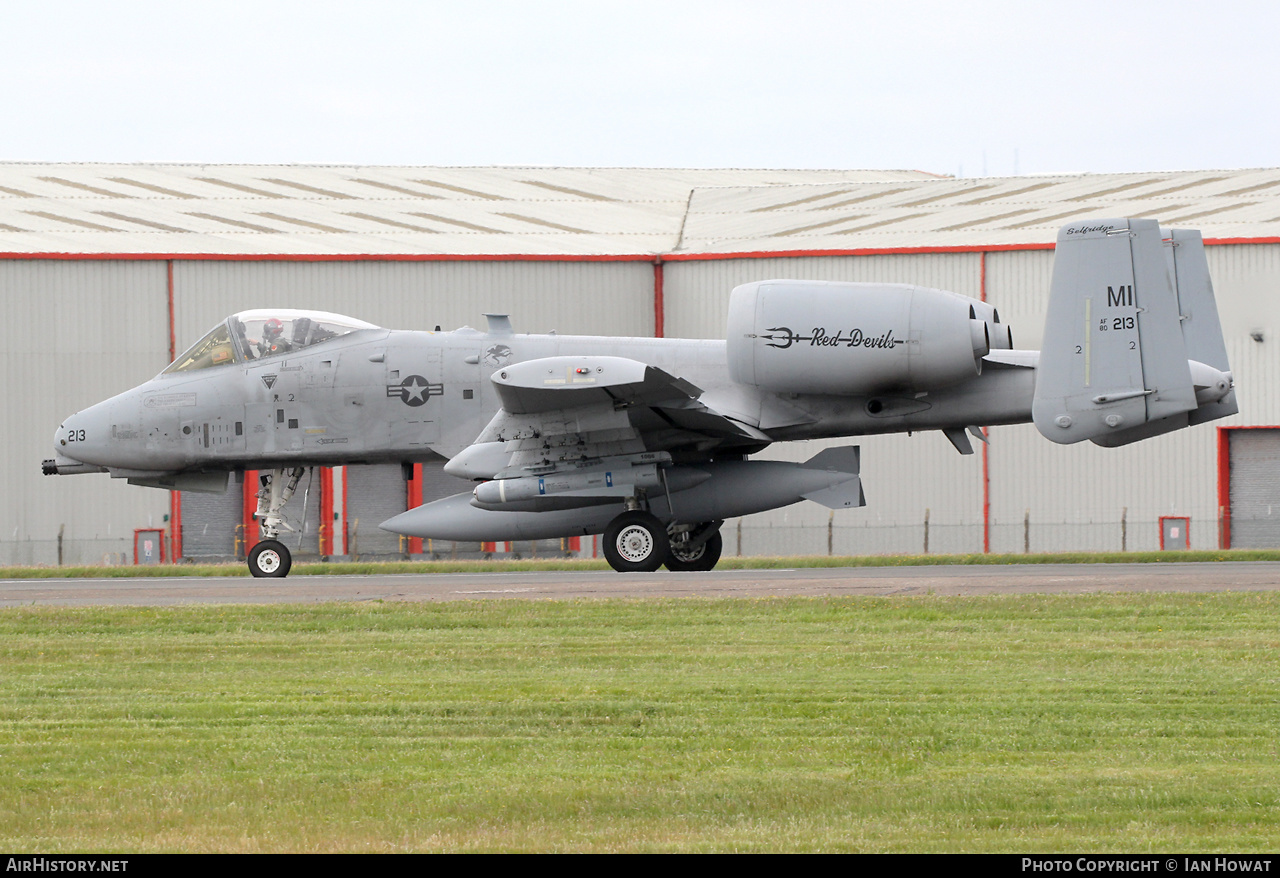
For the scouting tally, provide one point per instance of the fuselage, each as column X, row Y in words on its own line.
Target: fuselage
column 377, row 395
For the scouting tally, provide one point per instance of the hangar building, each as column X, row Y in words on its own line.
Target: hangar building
column 108, row 271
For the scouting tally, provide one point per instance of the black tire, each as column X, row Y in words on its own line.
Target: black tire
column 636, row 542
column 270, row 558
column 705, row 557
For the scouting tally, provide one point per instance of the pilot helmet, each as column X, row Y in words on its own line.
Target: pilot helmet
column 272, row 328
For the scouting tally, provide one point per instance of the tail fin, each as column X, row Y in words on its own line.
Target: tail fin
column 1132, row 343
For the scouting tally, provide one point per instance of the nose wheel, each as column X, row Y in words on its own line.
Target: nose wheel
column 270, row 558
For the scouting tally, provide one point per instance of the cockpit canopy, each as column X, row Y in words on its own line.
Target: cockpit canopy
column 252, row 335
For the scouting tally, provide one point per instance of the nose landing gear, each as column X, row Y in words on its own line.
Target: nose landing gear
column 270, row 557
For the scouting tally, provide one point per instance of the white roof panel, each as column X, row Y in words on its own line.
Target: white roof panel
column 974, row 212
column 335, row 210
column 255, row 210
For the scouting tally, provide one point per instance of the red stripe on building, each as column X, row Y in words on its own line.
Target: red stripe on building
column 414, row 501
column 249, row 497
column 659, row 305
column 574, row 257
column 325, row 529
column 1224, row 488
column 986, row 466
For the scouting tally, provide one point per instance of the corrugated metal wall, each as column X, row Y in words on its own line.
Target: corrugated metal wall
column 74, row 333
column 1083, row 496
column 1046, row 497
column 374, row 494
column 1246, row 278
column 905, row 478
column 213, row 529
column 79, row 331
column 697, row 291
column 610, row 298
column 1043, row 497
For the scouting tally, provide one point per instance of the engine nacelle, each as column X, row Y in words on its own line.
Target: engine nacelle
column 857, row 338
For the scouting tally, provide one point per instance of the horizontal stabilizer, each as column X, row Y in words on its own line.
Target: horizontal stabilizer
column 1142, row 431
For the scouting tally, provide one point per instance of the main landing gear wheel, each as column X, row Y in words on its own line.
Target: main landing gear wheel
column 270, row 558
column 636, row 542
column 704, row 557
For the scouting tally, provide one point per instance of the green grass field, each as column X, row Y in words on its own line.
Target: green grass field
column 1009, row 723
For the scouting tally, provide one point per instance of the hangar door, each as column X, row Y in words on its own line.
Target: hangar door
column 1254, row 488
column 211, row 524
column 375, row 492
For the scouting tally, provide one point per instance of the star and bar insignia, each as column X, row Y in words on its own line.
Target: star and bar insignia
column 415, row 390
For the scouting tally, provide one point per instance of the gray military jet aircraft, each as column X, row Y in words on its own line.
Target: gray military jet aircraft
column 648, row 443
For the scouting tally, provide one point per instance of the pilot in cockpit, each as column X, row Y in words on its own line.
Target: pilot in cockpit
column 273, row 340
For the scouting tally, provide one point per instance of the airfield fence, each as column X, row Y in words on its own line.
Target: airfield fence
column 1023, row 537
column 741, row 538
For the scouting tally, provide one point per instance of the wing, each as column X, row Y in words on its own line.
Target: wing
column 573, row 412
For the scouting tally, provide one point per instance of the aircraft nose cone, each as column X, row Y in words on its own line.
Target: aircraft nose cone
column 85, row 435
column 69, row 450
column 64, row 443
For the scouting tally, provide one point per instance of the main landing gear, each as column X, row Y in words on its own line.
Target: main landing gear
column 270, row 557
column 697, row 548
column 637, row 542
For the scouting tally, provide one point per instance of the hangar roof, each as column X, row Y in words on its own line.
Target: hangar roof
column 337, row 210
column 290, row 210
column 975, row 212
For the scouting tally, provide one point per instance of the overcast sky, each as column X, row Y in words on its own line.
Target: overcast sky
column 970, row 88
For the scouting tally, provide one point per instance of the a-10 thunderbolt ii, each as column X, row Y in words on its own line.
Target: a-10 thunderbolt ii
column 647, row 440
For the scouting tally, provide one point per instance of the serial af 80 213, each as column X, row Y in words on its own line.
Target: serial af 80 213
column 647, row 440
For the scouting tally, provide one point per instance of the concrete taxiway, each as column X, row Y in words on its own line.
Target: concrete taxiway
column 571, row 585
